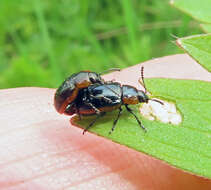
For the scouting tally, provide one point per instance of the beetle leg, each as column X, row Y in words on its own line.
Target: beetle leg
column 92, row 123
column 97, row 111
column 78, row 113
column 115, row 122
column 139, row 122
column 109, row 70
column 108, row 100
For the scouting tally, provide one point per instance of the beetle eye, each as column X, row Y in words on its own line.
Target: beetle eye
column 93, row 80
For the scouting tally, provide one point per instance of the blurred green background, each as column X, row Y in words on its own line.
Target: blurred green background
column 44, row 41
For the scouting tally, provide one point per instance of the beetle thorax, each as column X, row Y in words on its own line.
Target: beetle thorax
column 129, row 95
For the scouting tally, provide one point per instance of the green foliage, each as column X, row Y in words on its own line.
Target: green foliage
column 200, row 10
column 199, row 47
column 187, row 145
column 60, row 37
column 29, row 74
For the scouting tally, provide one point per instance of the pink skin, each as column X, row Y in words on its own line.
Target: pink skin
column 41, row 151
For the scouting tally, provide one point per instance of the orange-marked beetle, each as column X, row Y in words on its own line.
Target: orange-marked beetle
column 68, row 90
column 99, row 98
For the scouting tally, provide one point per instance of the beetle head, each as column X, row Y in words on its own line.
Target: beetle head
column 142, row 97
column 95, row 78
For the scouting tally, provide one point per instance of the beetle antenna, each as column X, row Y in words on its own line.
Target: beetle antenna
column 158, row 101
column 142, row 78
column 109, row 70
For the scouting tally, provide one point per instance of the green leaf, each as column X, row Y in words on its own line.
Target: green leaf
column 199, row 47
column 199, row 10
column 187, row 145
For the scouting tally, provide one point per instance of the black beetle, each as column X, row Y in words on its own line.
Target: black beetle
column 68, row 91
column 101, row 98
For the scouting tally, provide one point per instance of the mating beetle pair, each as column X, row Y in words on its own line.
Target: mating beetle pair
column 86, row 93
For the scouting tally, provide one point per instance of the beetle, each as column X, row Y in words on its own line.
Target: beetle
column 97, row 99
column 68, row 90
